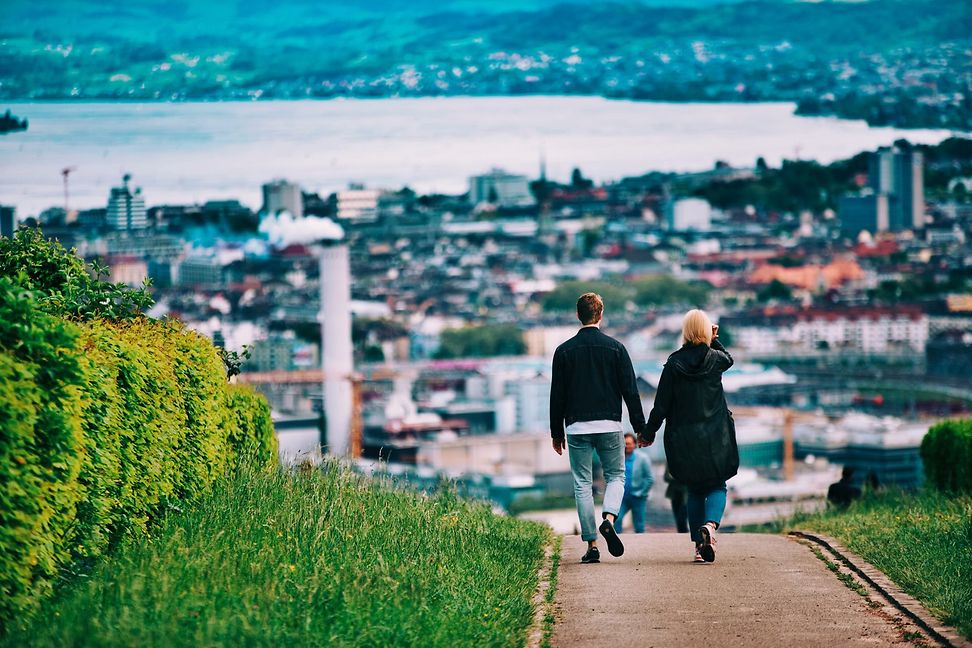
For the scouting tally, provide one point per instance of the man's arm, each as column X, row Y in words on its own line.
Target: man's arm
column 662, row 405
column 629, row 392
column 558, row 399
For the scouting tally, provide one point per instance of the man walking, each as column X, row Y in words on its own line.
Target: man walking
column 592, row 374
column 637, row 482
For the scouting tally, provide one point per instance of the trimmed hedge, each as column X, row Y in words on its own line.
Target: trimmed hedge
column 104, row 426
column 947, row 453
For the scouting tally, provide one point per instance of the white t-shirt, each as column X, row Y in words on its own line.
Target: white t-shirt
column 594, row 427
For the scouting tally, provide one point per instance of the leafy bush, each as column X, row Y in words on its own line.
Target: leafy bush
column 64, row 284
column 104, row 424
column 947, row 454
column 40, row 445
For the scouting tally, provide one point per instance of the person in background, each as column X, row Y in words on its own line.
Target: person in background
column 637, row 482
column 700, row 436
column 678, row 494
column 843, row 492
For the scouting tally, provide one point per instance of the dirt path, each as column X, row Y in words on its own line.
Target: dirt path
column 763, row 590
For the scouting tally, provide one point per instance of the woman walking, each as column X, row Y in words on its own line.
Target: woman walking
column 700, row 437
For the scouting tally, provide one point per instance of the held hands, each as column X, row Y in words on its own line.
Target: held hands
column 645, row 440
column 559, row 445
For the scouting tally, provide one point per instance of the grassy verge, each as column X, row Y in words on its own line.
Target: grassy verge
column 321, row 558
column 923, row 542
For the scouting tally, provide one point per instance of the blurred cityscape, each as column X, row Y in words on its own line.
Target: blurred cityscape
column 843, row 291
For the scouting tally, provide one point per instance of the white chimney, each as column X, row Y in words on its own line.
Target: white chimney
column 335, row 317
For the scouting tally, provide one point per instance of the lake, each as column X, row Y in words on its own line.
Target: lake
column 192, row 152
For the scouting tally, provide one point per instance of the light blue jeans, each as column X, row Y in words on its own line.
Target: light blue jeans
column 639, row 513
column 705, row 506
column 610, row 450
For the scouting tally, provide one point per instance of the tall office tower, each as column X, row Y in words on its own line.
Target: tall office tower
column 867, row 213
column 8, row 220
column 281, row 195
column 897, row 174
column 336, row 358
column 500, row 188
column 126, row 208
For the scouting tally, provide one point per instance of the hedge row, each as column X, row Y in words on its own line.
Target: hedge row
column 947, row 454
column 104, row 426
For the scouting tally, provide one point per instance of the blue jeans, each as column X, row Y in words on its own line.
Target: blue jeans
column 610, row 450
column 639, row 512
column 705, row 506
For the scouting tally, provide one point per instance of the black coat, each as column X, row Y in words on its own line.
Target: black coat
column 700, row 437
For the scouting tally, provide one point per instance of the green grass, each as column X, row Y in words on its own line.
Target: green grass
column 923, row 542
column 318, row 558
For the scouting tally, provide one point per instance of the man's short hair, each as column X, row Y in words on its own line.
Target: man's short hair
column 631, row 435
column 590, row 307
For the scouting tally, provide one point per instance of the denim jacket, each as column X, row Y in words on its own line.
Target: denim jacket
column 592, row 374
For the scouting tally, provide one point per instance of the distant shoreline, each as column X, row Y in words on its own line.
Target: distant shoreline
column 364, row 99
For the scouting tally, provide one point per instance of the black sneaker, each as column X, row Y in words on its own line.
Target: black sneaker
column 592, row 556
column 613, row 541
column 707, row 548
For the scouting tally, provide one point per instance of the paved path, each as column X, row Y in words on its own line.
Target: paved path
column 763, row 590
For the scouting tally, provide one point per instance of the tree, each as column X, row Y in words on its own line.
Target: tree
column 481, row 342
column 564, row 297
column 775, row 290
column 578, row 181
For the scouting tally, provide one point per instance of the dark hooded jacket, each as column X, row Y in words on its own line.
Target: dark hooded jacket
column 700, row 437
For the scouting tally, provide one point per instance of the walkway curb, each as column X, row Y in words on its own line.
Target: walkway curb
column 902, row 601
column 536, row 631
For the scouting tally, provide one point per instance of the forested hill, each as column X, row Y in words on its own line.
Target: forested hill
column 907, row 57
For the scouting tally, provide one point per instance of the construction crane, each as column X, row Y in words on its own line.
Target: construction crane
column 66, row 171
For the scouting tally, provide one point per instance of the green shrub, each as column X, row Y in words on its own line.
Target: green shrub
column 103, row 427
column 40, row 445
column 250, row 427
column 947, row 454
column 63, row 283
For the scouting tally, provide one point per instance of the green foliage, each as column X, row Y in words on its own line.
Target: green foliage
column 658, row 290
column 64, row 285
column 481, row 342
column 645, row 292
column 103, row 427
column 947, row 454
column 41, row 446
column 922, row 541
column 233, row 360
column 312, row 558
column 564, row 296
column 774, row 290
column 796, row 185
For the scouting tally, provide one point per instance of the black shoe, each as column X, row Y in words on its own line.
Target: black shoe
column 592, row 556
column 613, row 541
column 707, row 549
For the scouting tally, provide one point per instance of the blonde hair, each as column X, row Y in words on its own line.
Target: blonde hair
column 697, row 327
